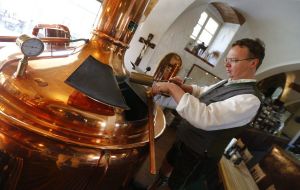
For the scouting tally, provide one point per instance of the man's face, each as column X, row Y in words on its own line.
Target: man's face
column 238, row 63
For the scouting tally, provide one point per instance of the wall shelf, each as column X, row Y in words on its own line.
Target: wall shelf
column 202, row 59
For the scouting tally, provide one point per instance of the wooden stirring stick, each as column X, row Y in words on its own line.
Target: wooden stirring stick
column 151, row 132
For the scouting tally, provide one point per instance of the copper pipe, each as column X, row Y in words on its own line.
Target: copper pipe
column 46, row 40
column 59, row 27
column 143, row 79
column 151, row 132
column 8, row 38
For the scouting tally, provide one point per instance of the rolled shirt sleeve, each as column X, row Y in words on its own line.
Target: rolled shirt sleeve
column 197, row 91
column 164, row 101
column 233, row 112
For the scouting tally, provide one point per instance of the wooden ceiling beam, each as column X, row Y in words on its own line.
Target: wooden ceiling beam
column 229, row 14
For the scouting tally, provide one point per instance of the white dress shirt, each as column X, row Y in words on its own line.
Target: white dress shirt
column 233, row 112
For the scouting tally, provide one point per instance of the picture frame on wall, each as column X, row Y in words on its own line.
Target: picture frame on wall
column 200, row 77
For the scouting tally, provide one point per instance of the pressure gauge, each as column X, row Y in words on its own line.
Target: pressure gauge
column 30, row 46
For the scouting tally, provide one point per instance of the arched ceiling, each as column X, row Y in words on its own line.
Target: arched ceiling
column 229, row 14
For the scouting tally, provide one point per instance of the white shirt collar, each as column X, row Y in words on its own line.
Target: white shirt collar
column 230, row 81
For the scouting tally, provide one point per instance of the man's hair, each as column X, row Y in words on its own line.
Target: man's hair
column 256, row 48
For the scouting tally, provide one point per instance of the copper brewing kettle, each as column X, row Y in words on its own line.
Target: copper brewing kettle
column 54, row 136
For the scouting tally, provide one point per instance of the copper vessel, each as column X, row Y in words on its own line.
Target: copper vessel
column 53, row 136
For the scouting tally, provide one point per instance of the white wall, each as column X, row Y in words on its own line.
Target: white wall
column 273, row 21
column 158, row 21
column 276, row 22
column 175, row 39
column 172, row 37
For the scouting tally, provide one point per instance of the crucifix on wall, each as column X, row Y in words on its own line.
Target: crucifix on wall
column 147, row 43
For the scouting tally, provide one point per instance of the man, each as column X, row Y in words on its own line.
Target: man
column 213, row 115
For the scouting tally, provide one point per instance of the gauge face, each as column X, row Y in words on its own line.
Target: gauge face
column 32, row 47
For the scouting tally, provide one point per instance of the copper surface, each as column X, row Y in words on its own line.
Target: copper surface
column 57, row 138
column 141, row 78
column 151, row 133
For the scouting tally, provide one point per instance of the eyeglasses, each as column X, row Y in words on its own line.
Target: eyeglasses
column 233, row 60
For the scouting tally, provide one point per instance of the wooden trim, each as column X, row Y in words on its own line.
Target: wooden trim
column 186, row 49
column 295, row 86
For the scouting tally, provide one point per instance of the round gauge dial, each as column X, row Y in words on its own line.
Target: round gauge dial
column 30, row 46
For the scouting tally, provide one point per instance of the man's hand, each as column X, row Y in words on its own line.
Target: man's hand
column 177, row 80
column 168, row 88
column 160, row 88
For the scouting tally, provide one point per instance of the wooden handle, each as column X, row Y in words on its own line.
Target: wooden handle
column 151, row 133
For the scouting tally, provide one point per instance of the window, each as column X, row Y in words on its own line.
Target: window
column 205, row 29
column 19, row 17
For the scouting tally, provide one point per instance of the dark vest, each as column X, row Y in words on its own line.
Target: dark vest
column 214, row 142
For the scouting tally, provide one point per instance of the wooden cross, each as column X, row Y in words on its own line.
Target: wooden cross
column 147, row 43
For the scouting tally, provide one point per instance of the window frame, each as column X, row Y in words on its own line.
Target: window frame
column 209, row 15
